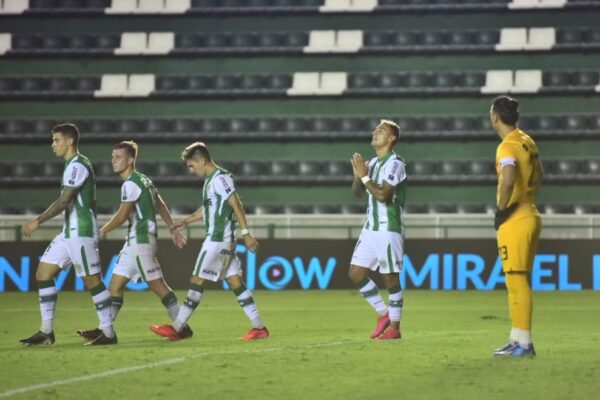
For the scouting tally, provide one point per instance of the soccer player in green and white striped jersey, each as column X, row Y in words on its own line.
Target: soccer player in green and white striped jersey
column 380, row 246
column 76, row 245
column 221, row 208
column 140, row 202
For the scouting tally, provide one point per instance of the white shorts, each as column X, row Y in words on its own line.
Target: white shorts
column 217, row 260
column 379, row 250
column 138, row 261
column 79, row 252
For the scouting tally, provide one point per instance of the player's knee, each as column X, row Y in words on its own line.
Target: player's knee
column 91, row 281
column 355, row 274
column 159, row 287
column 235, row 282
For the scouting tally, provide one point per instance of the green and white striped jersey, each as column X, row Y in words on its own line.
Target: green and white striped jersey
column 389, row 169
column 139, row 188
column 80, row 215
column 218, row 214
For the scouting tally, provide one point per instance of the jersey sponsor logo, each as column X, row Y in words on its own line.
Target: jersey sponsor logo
column 71, row 182
column 391, row 177
column 225, row 252
column 153, row 270
column 227, row 190
column 74, row 173
column 395, row 168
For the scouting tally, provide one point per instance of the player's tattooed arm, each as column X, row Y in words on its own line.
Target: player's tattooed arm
column 118, row 219
column 238, row 210
column 55, row 208
column 506, row 185
column 58, row 206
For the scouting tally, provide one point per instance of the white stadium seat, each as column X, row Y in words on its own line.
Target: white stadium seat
column 348, row 5
column 320, row 42
column 122, row 7
column 348, row 41
column 498, row 81
column 541, row 39
column 512, row 39
column 304, row 83
column 112, row 85
column 13, row 6
column 5, row 42
column 149, row 6
column 140, row 85
column 132, row 43
column 333, row 83
column 160, row 42
column 176, row 6
column 527, row 81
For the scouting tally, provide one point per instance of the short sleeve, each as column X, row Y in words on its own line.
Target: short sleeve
column 224, row 186
column 506, row 155
column 75, row 175
column 394, row 172
column 130, row 192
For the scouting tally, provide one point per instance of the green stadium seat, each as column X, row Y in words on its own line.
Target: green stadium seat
column 377, row 38
column 217, row 40
column 338, row 168
column 253, row 168
column 280, row 168
column 570, row 36
column 61, row 84
column 462, row 124
column 434, row 124
column 593, row 35
column 8, row 84
column 461, row 38
column 471, row 209
column 326, row 209
column 53, row 42
column 451, row 167
column 352, row 209
column 261, row 209
column 103, row 169
column 297, row 209
column 278, row 81
column 226, row 82
column 295, row 39
column 108, row 41
column 586, row 78
column 480, row 167
column 309, row 168
column 245, row 39
column 442, row 209
column 548, row 122
column 34, row 84
column 197, row 83
column 488, row 37
column 81, row 42
column 270, row 39
column 435, row 38
column 405, row 38
column 421, row 167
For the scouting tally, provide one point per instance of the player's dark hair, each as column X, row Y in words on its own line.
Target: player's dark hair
column 507, row 109
column 197, row 149
column 129, row 146
column 68, row 130
column 393, row 127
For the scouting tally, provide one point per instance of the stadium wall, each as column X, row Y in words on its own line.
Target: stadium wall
column 455, row 264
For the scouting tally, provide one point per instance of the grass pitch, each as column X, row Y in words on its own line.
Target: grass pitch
column 318, row 349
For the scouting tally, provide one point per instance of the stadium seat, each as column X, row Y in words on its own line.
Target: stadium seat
column 14, row 6
column 352, row 209
column 567, row 167
column 541, row 39
column 451, row 168
column 512, row 39
column 548, row 122
column 270, row 39
column 112, row 85
column 471, row 209
column 421, row 168
column 160, row 43
column 252, row 168
column 297, row 209
column 132, row 43
column 338, row 168
column 556, row 78
column 480, row 167
column 81, row 42
column 326, row 209
column 498, row 81
column 586, row 78
column 377, row 38
column 309, row 168
column 262, row 209
column 527, row 81
column 282, row 168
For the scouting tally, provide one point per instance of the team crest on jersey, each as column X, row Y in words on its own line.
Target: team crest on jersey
column 382, row 263
column 71, row 182
column 391, row 177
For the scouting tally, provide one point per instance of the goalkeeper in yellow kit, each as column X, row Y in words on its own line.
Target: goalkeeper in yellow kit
column 517, row 219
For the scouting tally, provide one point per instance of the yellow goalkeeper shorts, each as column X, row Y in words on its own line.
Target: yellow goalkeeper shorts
column 518, row 242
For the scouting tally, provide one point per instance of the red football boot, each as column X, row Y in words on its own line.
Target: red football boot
column 166, row 331
column 390, row 333
column 383, row 322
column 256, row 333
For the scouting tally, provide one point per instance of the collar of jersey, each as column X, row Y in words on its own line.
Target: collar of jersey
column 71, row 159
column 385, row 158
column 212, row 173
column 513, row 132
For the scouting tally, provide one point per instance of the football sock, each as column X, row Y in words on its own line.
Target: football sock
column 192, row 300
column 171, row 304
column 116, row 303
column 520, row 298
column 395, row 302
column 101, row 299
column 47, row 293
column 244, row 297
column 368, row 289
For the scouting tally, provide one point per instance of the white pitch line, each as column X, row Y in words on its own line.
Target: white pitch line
column 175, row 360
